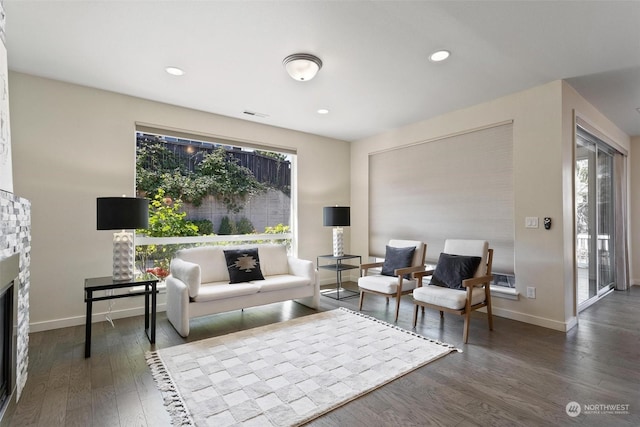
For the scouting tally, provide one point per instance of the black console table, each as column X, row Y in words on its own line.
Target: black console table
column 149, row 281
column 337, row 265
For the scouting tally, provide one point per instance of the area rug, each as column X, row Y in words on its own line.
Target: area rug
column 287, row 373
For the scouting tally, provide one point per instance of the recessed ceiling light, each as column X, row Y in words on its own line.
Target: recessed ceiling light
column 174, row 71
column 439, row 55
column 323, row 111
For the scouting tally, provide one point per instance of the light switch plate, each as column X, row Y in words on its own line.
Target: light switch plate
column 531, row 222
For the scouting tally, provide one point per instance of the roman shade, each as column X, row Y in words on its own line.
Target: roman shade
column 456, row 187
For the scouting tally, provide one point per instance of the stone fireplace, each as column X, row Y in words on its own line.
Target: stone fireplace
column 9, row 271
column 15, row 254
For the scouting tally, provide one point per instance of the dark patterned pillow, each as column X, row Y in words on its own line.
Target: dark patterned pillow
column 243, row 265
column 451, row 270
column 397, row 258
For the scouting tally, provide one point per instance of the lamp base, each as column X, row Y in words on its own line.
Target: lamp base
column 123, row 259
column 338, row 242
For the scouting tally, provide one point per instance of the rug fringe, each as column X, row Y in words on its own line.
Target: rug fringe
column 172, row 400
column 391, row 325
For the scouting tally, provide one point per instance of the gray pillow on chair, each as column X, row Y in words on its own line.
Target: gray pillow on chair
column 451, row 270
column 397, row 258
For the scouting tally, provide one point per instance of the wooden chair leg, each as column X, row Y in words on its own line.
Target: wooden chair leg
column 423, row 310
column 387, row 300
column 442, row 314
column 397, row 308
column 489, row 314
column 415, row 315
column 467, row 319
column 361, row 300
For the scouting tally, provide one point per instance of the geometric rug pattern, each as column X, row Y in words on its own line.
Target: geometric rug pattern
column 287, row 373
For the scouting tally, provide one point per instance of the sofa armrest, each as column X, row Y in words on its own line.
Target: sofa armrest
column 178, row 305
column 301, row 267
column 188, row 273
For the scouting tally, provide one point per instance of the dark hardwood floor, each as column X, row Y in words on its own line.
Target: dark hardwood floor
column 518, row 374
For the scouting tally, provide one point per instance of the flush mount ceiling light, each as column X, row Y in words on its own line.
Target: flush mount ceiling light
column 323, row 111
column 174, row 71
column 439, row 55
column 302, row 66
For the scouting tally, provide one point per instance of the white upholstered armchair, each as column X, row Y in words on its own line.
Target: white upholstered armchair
column 460, row 282
column 402, row 258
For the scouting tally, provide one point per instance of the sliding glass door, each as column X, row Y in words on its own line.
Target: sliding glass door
column 595, row 220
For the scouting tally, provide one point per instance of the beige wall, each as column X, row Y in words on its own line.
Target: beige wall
column 72, row 144
column 543, row 162
column 634, row 210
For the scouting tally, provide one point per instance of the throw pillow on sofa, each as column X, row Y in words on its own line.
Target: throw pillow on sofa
column 243, row 265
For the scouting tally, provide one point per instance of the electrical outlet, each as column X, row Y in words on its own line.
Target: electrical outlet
column 531, row 292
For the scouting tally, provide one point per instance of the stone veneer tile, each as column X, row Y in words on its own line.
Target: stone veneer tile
column 15, row 237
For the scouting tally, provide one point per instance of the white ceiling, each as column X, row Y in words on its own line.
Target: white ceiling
column 376, row 75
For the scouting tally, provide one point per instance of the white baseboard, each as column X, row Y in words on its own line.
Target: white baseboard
column 95, row 317
column 138, row 311
column 536, row 320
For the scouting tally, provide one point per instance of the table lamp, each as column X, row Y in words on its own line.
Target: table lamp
column 337, row 217
column 122, row 213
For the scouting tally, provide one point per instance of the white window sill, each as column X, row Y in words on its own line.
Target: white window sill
column 504, row 292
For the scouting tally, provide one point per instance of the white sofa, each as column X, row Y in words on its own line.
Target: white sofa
column 199, row 283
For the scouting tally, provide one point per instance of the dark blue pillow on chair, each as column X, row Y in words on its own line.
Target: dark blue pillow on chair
column 397, row 258
column 451, row 270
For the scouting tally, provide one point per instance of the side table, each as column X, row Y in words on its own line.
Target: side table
column 337, row 265
column 149, row 281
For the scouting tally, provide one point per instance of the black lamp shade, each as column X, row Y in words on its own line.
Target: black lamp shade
column 122, row 213
column 336, row 216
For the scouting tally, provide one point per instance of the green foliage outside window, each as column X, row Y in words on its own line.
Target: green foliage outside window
column 218, row 174
column 227, row 227
column 205, row 226
column 244, row 226
column 166, row 219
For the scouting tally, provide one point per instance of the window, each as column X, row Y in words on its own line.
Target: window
column 208, row 191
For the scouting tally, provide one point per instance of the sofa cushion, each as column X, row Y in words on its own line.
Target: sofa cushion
column 273, row 260
column 384, row 284
column 217, row 291
column 446, row 297
column 211, row 261
column 243, row 265
column 395, row 258
column 188, row 273
column 281, row 281
column 451, row 270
